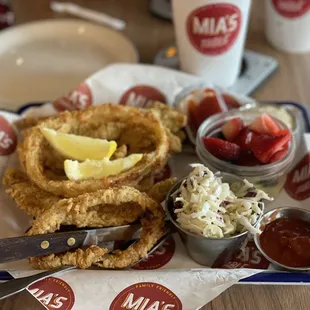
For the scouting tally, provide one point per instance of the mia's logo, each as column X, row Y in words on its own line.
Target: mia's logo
column 159, row 258
column 298, row 180
column 291, row 8
column 249, row 257
column 53, row 293
column 78, row 99
column 8, row 138
column 146, row 296
column 162, row 175
column 141, row 96
column 213, row 29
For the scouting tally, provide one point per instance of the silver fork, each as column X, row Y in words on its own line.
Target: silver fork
column 15, row 286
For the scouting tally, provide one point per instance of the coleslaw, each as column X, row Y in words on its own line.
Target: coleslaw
column 206, row 206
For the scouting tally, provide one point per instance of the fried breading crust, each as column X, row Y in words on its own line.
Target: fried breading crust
column 49, row 221
column 146, row 183
column 155, row 147
column 34, row 201
column 14, row 176
column 120, row 152
column 27, row 195
column 171, row 118
column 28, row 122
column 81, row 258
column 160, row 190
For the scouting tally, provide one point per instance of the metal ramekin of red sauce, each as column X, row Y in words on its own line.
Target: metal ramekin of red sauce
column 285, row 238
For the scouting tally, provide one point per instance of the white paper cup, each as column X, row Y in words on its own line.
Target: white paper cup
column 288, row 25
column 210, row 37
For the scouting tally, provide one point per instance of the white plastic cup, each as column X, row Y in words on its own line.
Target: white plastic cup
column 288, row 25
column 210, row 37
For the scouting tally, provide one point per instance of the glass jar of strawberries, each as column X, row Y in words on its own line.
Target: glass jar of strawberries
column 249, row 144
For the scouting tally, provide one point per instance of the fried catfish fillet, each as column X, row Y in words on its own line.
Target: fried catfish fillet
column 173, row 120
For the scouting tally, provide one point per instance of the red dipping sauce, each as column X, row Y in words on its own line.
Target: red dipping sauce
column 287, row 241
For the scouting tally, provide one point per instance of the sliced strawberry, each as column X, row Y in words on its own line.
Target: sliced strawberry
column 199, row 111
column 222, row 149
column 279, row 155
column 232, row 128
column 244, row 139
column 208, row 106
column 264, row 124
column 247, row 159
column 283, row 132
column 230, row 101
column 271, row 124
column 193, row 115
column 264, row 147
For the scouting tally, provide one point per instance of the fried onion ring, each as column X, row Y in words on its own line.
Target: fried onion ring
column 29, row 198
column 140, row 130
column 49, row 221
column 34, row 201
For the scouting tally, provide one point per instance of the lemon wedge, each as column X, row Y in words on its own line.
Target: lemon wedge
column 97, row 169
column 79, row 147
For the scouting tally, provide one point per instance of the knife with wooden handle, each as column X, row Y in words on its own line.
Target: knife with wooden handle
column 14, row 286
column 17, row 248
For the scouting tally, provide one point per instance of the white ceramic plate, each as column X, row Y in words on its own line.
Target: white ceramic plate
column 43, row 60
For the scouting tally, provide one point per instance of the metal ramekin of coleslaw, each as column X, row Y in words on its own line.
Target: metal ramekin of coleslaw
column 214, row 213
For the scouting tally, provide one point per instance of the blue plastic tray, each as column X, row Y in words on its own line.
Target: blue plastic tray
column 265, row 277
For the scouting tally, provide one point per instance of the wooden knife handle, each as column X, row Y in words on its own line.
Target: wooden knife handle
column 13, row 249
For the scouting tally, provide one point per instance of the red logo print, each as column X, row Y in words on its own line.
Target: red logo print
column 291, row 8
column 141, row 96
column 8, row 138
column 162, row 175
column 159, row 258
column 212, row 29
column 250, row 257
column 298, row 180
column 78, row 99
column 146, row 296
column 53, row 293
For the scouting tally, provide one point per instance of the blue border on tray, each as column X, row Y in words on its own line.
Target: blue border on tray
column 5, row 275
column 263, row 277
column 29, row 105
column 278, row 277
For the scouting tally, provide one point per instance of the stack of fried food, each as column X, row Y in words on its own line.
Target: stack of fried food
column 95, row 168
